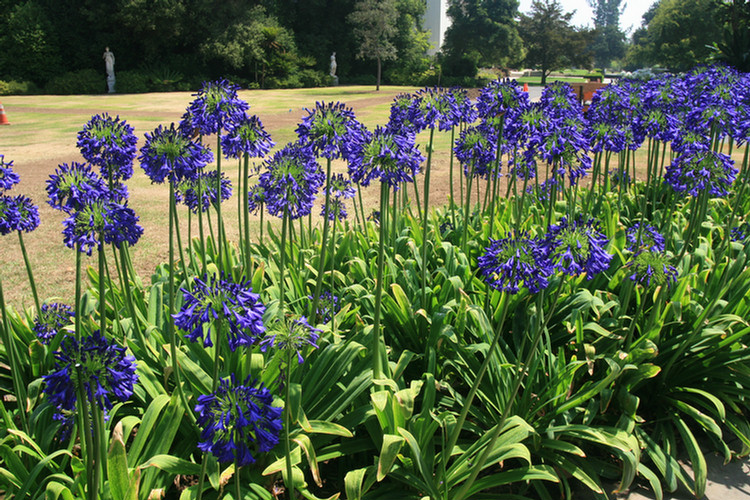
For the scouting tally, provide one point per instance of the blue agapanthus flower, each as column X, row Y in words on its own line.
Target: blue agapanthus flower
column 462, row 110
column 238, row 421
column 206, row 184
column 96, row 365
column 240, row 309
column 18, row 213
column 246, row 136
column 216, row 107
column 390, row 157
column 74, row 186
column 336, row 210
column 116, row 223
column 740, row 233
column 331, row 130
column 501, row 101
column 642, row 236
column 328, row 305
column 292, row 334
column 697, row 168
column 476, row 149
column 610, row 116
column 8, row 178
column 169, row 153
column 577, row 247
column 509, row 264
column 290, row 181
column 52, row 318
column 652, row 269
column 109, row 144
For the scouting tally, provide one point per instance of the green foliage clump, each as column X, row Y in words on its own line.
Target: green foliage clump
column 14, row 87
column 132, row 82
column 85, row 81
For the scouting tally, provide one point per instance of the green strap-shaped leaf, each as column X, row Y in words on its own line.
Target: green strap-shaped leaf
column 172, row 465
column 388, row 453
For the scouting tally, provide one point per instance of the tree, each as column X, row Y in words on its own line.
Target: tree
column 734, row 47
column 375, row 28
column 551, row 42
column 482, row 32
column 678, row 35
column 609, row 40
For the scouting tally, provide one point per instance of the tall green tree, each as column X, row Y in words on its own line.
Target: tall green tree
column 374, row 24
column 678, row 35
column 734, row 46
column 483, row 32
column 30, row 51
column 609, row 39
column 551, row 41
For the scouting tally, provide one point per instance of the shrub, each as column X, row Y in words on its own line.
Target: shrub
column 132, row 82
column 84, row 81
column 14, row 87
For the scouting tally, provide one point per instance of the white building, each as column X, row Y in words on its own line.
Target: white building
column 436, row 20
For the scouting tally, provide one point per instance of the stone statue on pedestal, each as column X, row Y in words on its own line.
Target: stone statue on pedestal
column 109, row 63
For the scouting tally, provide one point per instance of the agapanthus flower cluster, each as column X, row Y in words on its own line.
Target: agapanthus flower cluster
column 500, row 102
column 658, row 108
column 246, row 136
column 109, row 144
column 698, row 168
column 740, row 233
column 292, row 334
column 328, row 305
column 642, row 236
column 331, row 130
column 508, row 264
column 577, row 247
column 433, row 106
column 652, row 269
column 170, row 153
column 339, row 188
column 290, row 181
column 216, row 107
column 392, row 158
column 115, row 223
column 18, row 213
column 52, row 318
column 713, row 101
column 97, row 366
column 562, row 141
column 238, row 420
column 211, row 298
column 609, row 118
column 8, row 178
column 199, row 193
column 462, row 109
column 74, row 186
column 476, row 149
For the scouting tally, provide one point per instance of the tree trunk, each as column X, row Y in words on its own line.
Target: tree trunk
column 377, row 85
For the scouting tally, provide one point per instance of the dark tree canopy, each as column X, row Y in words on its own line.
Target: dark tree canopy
column 551, row 41
column 678, row 35
column 608, row 38
column 484, row 32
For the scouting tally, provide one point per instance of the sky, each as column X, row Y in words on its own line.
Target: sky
column 629, row 20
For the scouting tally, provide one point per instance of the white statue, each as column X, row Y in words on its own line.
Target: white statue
column 333, row 65
column 109, row 63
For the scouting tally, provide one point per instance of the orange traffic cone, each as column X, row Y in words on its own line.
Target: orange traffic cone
column 3, row 118
column 525, row 87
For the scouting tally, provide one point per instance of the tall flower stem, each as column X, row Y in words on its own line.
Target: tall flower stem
column 246, row 213
column 237, row 487
column 15, row 369
column 377, row 361
column 282, row 265
column 289, row 480
column 450, row 178
column 466, row 209
column 183, row 264
column 26, row 261
column 200, row 229
column 170, row 301
column 219, row 222
column 214, row 385
column 425, row 217
column 322, row 260
column 87, row 443
column 102, row 287
column 333, row 268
